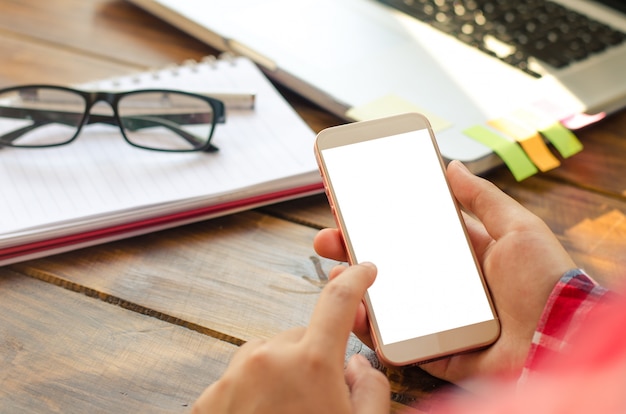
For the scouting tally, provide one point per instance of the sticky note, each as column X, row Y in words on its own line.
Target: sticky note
column 562, row 138
column 581, row 120
column 570, row 118
column 394, row 105
column 511, row 153
column 530, row 140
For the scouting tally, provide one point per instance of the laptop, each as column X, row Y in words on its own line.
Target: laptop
column 461, row 63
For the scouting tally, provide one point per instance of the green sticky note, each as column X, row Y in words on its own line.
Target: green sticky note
column 511, row 153
column 563, row 139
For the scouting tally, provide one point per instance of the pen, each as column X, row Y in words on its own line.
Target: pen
column 234, row 100
column 231, row 100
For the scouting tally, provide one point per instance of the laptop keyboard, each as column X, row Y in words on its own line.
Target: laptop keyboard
column 524, row 33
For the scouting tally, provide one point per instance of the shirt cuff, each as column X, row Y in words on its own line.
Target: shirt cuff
column 573, row 298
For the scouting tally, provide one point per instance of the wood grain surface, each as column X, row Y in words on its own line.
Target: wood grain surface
column 145, row 324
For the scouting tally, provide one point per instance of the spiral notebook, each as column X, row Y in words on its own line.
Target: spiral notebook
column 99, row 188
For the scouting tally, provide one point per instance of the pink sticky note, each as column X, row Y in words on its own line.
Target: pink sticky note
column 578, row 121
column 570, row 118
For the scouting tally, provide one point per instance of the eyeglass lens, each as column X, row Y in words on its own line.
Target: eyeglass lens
column 166, row 120
column 32, row 117
column 161, row 120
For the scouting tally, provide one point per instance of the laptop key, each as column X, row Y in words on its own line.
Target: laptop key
column 519, row 32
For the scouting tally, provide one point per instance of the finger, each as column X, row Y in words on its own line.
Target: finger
column 242, row 355
column 369, row 388
column 329, row 243
column 336, row 271
column 290, row 335
column 246, row 349
column 283, row 337
column 241, row 358
column 361, row 327
column 212, row 399
column 333, row 316
column 478, row 235
column 499, row 213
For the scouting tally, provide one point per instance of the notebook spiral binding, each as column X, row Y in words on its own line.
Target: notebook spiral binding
column 174, row 69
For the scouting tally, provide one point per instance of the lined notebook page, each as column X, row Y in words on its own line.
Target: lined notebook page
column 100, row 180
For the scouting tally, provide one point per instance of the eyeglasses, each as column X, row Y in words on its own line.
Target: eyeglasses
column 36, row 116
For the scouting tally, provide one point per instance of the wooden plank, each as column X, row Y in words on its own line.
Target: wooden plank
column 244, row 276
column 159, row 289
column 110, row 30
column 234, row 278
column 250, row 270
column 601, row 165
column 561, row 206
column 312, row 211
column 588, row 224
column 28, row 62
column 62, row 351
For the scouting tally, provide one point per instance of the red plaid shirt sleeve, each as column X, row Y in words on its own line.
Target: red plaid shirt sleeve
column 569, row 305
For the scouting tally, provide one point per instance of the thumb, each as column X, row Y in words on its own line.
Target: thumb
column 499, row 213
column 369, row 388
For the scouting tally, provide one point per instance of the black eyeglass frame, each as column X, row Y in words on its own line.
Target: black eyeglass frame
column 113, row 99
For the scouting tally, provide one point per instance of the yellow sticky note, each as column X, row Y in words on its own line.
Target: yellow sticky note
column 562, row 138
column 394, row 105
column 511, row 153
column 531, row 142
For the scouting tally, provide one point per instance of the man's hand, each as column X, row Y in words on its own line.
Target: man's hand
column 302, row 370
column 520, row 257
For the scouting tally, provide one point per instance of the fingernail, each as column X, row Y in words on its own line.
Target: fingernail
column 368, row 264
column 460, row 165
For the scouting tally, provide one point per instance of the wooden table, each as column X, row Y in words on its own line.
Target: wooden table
column 145, row 324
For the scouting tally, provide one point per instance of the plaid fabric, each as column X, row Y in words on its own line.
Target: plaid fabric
column 570, row 303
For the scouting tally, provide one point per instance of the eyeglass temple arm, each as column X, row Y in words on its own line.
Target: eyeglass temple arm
column 15, row 134
column 39, row 118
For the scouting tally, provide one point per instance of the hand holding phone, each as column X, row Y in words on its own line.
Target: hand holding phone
column 386, row 185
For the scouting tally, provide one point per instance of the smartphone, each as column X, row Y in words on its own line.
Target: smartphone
column 386, row 185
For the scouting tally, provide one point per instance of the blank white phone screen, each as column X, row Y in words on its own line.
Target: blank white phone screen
column 399, row 214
